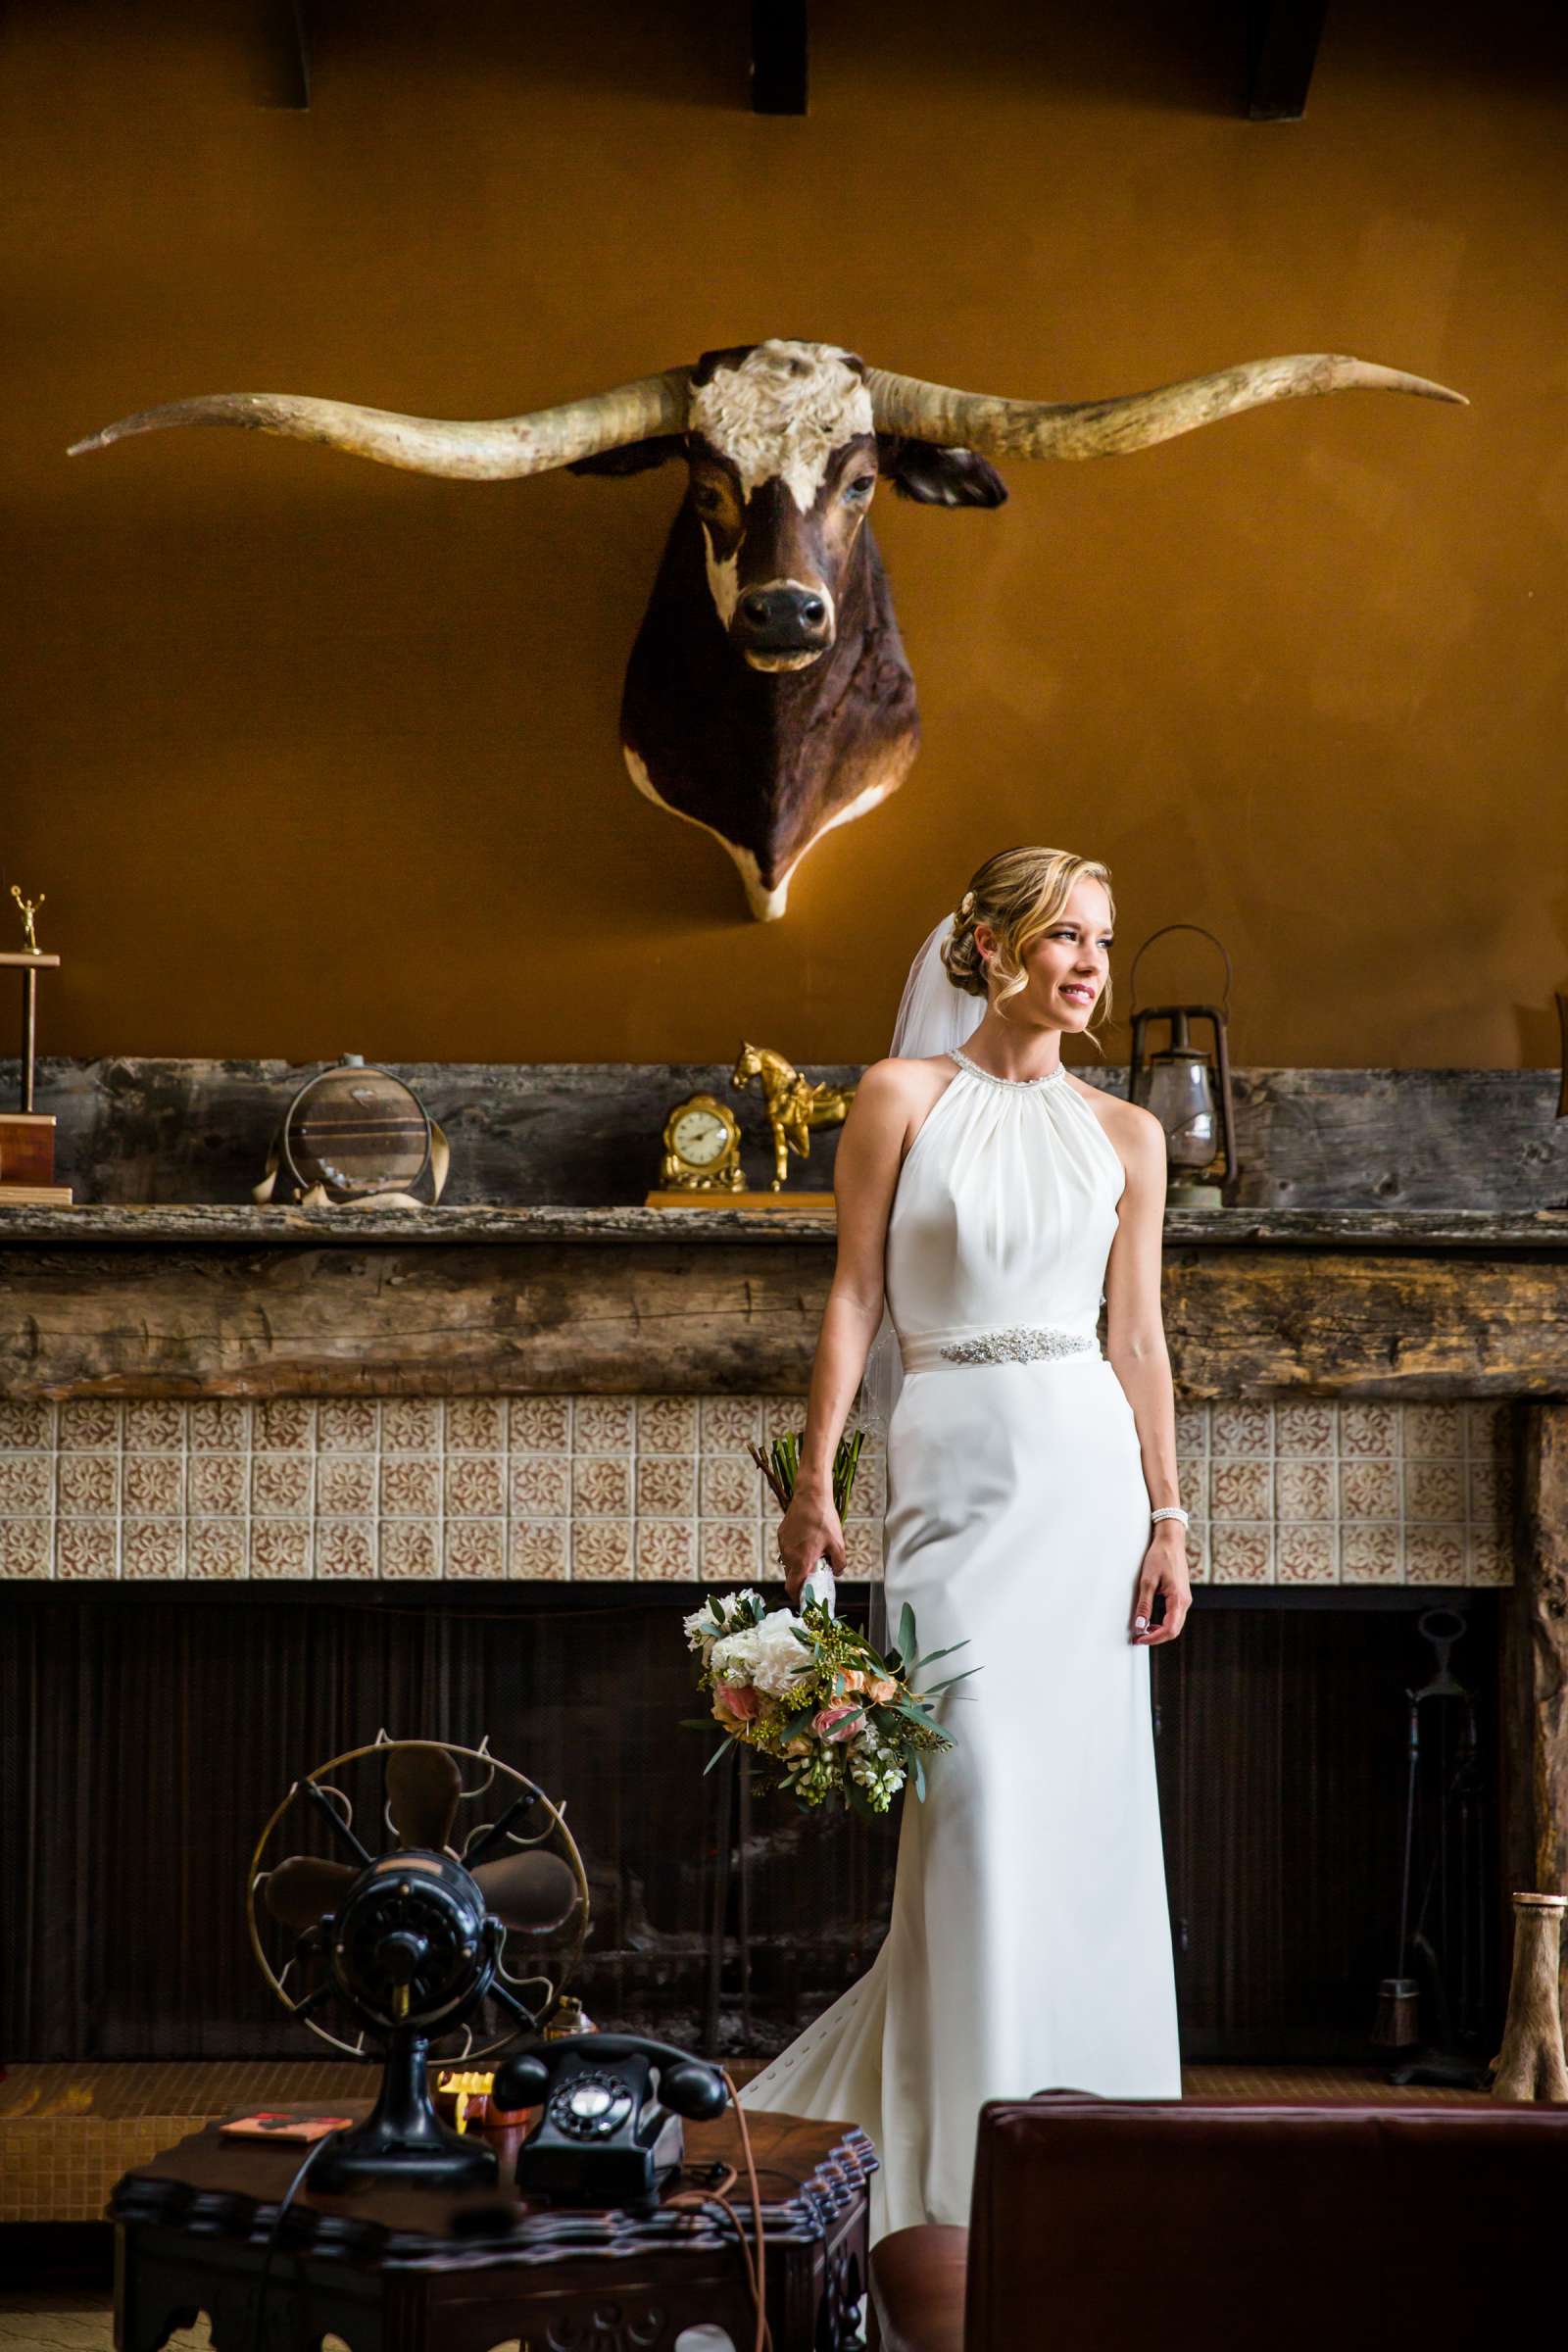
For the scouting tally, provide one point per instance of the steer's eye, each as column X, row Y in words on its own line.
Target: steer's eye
column 859, row 490
column 708, row 497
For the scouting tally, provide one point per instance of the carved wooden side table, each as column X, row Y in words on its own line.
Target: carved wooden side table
column 408, row 2270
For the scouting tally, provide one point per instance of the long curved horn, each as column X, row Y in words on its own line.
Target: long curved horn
column 494, row 451
column 1104, row 428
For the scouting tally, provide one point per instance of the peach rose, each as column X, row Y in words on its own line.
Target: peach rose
column 736, row 1704
column 828, row 1722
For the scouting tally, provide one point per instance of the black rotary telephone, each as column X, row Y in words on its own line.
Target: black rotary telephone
column 606, row 2136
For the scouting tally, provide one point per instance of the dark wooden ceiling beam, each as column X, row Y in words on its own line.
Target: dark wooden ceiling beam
column 779, row 57
column 1283, row 44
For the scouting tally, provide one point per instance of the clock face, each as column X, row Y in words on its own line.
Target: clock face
column 699, row 1136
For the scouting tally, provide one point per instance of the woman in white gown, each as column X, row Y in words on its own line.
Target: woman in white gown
column 989, row 1196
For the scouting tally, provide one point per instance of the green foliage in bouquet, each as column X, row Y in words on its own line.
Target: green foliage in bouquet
column 837, row 1723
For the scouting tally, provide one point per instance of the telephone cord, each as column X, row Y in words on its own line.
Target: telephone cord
column 695, row 2198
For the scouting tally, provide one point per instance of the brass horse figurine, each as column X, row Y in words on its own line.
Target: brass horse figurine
column 793, row 1105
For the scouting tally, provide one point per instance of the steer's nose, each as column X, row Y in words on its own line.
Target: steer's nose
column 782, row 616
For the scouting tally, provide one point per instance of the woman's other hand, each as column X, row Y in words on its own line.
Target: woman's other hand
column 808, row 1532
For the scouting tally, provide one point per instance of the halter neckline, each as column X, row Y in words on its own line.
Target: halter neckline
column 993, row 1078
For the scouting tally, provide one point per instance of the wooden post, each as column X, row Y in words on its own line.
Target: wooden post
column 1534, row 1843
column 1530, row 2064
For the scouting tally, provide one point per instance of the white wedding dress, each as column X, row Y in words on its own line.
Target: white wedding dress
column 1029, row 1945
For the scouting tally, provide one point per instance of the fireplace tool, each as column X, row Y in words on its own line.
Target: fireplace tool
column 412, row 1942
column 1415, row 2015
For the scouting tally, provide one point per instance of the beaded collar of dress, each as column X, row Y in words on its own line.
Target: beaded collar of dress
column 994, row 1078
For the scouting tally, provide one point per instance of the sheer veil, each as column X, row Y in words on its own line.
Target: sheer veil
column 933, row 1017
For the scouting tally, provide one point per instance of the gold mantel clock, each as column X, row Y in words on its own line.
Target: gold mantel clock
column 701, row 1150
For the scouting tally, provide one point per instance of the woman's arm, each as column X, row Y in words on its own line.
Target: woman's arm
column 865, row 1175
column 1135, row 1344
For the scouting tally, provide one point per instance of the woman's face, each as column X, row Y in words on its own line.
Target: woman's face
column 1066, row 969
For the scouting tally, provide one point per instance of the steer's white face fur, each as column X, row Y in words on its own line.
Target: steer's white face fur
column 783, row 411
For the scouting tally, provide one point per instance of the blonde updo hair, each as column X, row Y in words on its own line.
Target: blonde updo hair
column 1017, row 894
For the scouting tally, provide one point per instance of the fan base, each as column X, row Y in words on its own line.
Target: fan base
column 365, row 2158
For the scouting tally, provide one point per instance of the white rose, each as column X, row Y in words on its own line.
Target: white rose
column 734, row 1658
column 780, row 1658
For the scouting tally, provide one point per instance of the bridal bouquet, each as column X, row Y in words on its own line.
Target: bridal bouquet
column 807, row 1692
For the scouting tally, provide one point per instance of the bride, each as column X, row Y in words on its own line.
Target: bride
column 996, row 1202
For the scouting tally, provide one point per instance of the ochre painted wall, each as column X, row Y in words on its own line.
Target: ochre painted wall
column 311, row 756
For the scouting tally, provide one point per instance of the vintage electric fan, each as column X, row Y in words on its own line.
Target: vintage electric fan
column 415, row 1942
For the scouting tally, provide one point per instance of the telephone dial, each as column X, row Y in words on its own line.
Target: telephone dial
column 606, row 2136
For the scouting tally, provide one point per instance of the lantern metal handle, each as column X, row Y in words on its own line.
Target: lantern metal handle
column 1132, row 978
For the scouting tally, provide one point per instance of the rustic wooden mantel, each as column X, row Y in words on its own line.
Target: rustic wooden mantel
column 191, row 1300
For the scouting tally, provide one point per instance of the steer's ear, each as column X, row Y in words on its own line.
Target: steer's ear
column 638, row 457
column 939, row 477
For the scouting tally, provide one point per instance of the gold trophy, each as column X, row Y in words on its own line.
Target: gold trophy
column 28, row 1136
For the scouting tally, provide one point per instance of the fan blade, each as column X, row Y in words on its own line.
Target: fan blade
column 422, row 1789
column 303, row 1889
column 530, row 1891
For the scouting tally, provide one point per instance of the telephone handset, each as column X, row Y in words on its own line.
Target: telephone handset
column 606, row 2136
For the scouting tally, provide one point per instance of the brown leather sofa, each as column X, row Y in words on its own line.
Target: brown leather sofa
column 1103, row 2224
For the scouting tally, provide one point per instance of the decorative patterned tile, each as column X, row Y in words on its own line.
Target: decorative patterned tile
column 540, row 1483
column 667, row 1425
column 1237, row 1490
column 666, row 1548
column 89, row 1425
column 153, row 1483
column 869, row 1495
column 667, row 1485
column 601, row 1484
column 1370, row 1553
column 862, row 1548
column 154, row 1425
column 475, row 1547
column 1192, row 1429
column 1306, row 1555
column 88, row 1482
column 87, row 1547
column 1434, row 1556
column 280, row 1547
column 780, row 1417
column 728, row 1423
column 28, row 1548
column 346, row 1484
column 1490, row 1559
column 346, row 1425
column 216, row 1550
column 601, row 1547
column 476, row 1485
column 1305, row 1428
column 1242, row 1555
column 218, row 1425
column 1434, row 1429
column 476, row 1425
column 731, row 1488
column 729, row 1550
column 1303, row 1489
column 218, row 1484
column 1241, row 1430
column 1489, row 1425
column 410, row 1548
column 411, row 1485
column 1369, row 1490
column 285, row 1425
column 1367, row 1428
column 539, row 1425
column 26, row 1424
column 1197, row 1552
column 1490, row 1496
column 153, row 1547
column 604, row 1424
column 410, row 1425
column 344, row 1550
column 1433, row 1489
column 28, row 1481
column 280, row 1483
column 539, row 1547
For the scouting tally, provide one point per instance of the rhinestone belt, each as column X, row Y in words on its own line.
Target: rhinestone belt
column 1017, row 1344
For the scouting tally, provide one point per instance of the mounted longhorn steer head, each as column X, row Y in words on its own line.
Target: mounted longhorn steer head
column 767, row 697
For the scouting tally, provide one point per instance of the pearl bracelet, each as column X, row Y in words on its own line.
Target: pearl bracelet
column 1172, row 1510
